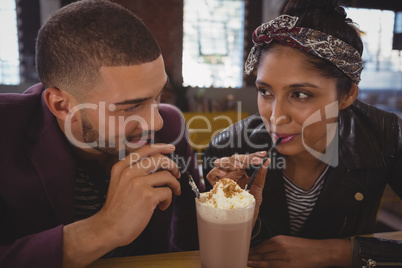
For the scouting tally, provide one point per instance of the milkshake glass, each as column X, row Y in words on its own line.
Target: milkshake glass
column 224, row 235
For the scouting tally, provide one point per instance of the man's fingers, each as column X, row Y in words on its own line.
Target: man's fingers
column 153, row 163
column 165, row 197
column 164, row 179
column 141, row 153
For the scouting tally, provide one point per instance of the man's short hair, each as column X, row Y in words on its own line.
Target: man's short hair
column 80, row 38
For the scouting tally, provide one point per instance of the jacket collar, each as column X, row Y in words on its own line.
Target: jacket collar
column 358, row 146
column 51, row 156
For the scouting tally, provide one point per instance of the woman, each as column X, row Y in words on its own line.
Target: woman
column 336, row 154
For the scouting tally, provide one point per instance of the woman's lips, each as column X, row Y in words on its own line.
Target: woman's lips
column 285, row 137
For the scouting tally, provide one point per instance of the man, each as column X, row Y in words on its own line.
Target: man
column 79, row 178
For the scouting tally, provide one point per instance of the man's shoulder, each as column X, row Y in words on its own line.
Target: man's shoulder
column 174, row 125
column 32, row 92
column 24, row 101
column 20, row 113
column 173, row 118
column 170, row 112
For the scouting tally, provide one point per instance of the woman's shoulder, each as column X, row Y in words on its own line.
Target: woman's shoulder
column 370, row 110
column 386, row 126
column 239, row 128
column 380, row 120
column 247, row 135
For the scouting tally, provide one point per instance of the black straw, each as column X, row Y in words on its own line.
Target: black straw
column 248, row 186
column 184, row 171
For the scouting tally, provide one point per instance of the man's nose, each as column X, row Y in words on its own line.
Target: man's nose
column 154, row 121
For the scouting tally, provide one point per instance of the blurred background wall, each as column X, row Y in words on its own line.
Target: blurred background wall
column 381, row 85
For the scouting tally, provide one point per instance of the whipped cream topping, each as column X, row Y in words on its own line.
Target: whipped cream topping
column 227, row 194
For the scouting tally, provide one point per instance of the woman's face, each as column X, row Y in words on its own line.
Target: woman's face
column 291, row 97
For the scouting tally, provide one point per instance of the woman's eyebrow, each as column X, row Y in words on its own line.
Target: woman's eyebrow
column 303, row 85
column 306, row 84
column 259, row 82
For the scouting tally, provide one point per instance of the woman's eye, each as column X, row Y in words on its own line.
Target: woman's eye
column 264, row 92
column 301, row 95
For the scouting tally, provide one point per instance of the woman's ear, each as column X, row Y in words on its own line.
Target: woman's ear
column 348, row 99
column 59, row 102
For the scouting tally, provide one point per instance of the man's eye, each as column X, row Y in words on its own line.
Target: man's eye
column 132, row 108
column 158, row 99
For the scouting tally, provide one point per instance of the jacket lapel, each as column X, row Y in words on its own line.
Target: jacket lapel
column 274, row 207
column 336, row 202
column 341, row 193
column 358, row 145
column 51, row 156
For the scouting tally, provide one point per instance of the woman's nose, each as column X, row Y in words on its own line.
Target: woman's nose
column 279, row 115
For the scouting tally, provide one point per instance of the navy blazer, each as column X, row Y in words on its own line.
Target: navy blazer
column 37, row 176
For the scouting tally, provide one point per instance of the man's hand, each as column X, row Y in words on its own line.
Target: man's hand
column 139, row 183
column 287, row 252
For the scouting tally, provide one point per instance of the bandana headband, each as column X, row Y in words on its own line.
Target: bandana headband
column 283, row 30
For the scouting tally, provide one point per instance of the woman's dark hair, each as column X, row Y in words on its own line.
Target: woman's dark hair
column 329, row 17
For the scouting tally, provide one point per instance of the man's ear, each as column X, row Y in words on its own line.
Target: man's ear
column 59, row 102
column 348, row 99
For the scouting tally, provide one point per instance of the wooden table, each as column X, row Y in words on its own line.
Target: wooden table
column 190, row 259
column 391, row 235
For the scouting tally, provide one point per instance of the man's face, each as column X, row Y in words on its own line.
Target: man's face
column 122, row 110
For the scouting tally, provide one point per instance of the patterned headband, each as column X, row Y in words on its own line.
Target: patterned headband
column 283, row 30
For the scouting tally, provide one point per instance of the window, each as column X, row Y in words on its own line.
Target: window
column 380, row 62
column 213, row 38
column 9, row 52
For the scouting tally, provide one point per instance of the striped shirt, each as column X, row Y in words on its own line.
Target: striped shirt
column 90, row 190
column 301, row 202
column 91, row 185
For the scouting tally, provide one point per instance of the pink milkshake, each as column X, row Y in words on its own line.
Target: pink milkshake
column 224, row 218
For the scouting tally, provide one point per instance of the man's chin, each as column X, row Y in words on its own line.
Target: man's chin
column 108, row 151
column 129, row 147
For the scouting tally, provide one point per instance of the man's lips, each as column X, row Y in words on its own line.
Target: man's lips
column 144, row 139
column 285, row 137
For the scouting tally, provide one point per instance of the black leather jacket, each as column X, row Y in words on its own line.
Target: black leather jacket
column 370, row 150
